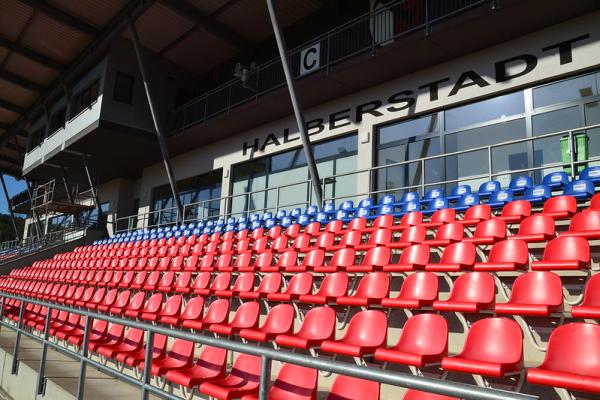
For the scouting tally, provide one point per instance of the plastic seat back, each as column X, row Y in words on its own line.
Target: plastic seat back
column 280, row 319
column 595, row 202
column 537, row 287
column 425, row 334
column 453, row 232
column 377, row 257
column 462, row 253
column 417, row 255
column 474, row 287
column 246, row 315
column 319, row 323
column 494, row 228
column 520, row 183
column 488, row 188
column 510, row 251
column 537, row 224
column 202, row 280
column 217, row 312
column 367, row 328
column 580, row 188
column 221, row 281
column 478, row 212
column 588, row 221
column 413, row 235
column 294, row 383
column 444, row 216
column 300, row 283
column 420, row 286
column 349, row 388
column 494, row 340
column 566, row 204
column 194, row 308
column 460, row 190
column 517, row 208
column 375, row 285
column 591, row 174
column 412, row 218
column 271, row 283
column 565, row 248
column 556, row 179
column 591, row 294
column 334, row 285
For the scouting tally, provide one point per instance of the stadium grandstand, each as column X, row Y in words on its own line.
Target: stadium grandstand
column 301, row 199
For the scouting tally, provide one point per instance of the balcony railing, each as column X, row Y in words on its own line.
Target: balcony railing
column 365, row 34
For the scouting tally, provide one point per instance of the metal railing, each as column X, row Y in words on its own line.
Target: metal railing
column 364, row 34
column 272, row 198
column 267, row 355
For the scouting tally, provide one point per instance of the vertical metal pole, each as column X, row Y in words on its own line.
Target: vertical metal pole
column 265, row 377
column 41, row 377
column 572, row 154
column 36, row 217
column 310, row 159
column 153, row 112
column 422, row 177
column 15, row 361
column 490, row 165
column 10, row 208
column 92, row 187
column 147, row 363
column 84, row 354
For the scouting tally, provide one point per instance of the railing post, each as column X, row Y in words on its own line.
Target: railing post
column 84, row 354
column 147, row 363
column 277, row 200
column 572, row 154
column 265, row 377
column 422, row 177
column 41, row 386
column 490, row 165
column 15, row 362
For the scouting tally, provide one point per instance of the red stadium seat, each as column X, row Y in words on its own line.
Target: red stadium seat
column 472, row 292
column 133, row 342
column 367, row 331
column 595, row 202
column 590, row 306
column 171, row 309
column 135, row 302
column 341, row 259
column 108, row 301
column 210, row 365
column 515, row 211
column 560, row 207
column 349, row 239
column 424, row 340
column 456, row 257
column 375, row 259
column 494, row 347
column 279, row 321
column 564, row 253
column 371, row 289
column 166, row 282
column 298, row 285
column 488, row 232
column 333, row 286
column 411, row 219
column 243, row 283
column 136, row 358
column 477, row 213
column 217, row 313
column 242, row 380
column 410, row 236
column 180, row 356
column 572, row 360
column 112, row 337
column 318, row 325
column 271, row 283
column 150, row 309
column 447, row 234
column 348, row 388
column 585, row 224
column 534, row 294
column 536, row 228
column 412, row 258
column 246, row 316
column 440, row 217
column 507, row 255
column 418, row 290
column 293, row 383
column 412, row 394
column 380, row 237
column 220, row 282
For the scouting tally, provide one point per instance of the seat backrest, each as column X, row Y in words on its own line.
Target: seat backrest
column 194, row 308
column 413, row 234
column 462, row 253
column 314, row 258
column 461, row 190
column 417, row 254
column 579, row 186
column 510, row 251
column 478, row 212
column 412, row 218
column 288, row 259
column 537, row 224
column 468, row 200
column 172, row 305
column 349, row 388
column 411, row 206
column 247, row 366
column 182, row 350
column 244, row 282
column 595, row 202
column 343, row 257
column 294, row 383
column 375, row 285
column 280, row 319
column 444, row 216
column 213, row 359
column 319, row 323
column 334, row 285
column 367, row 328
column 560, row 204
column 221, row 281
column 424, row 334
column 558, row 178
column 270, row 283
column 377, row 256
column 571, row 347
column 495, row 228
column 591, row 173
column 591, row 294
column 380, row 237
column 521, row 182
column 497, row 340
column 123, row 298
column 154, row 302
column 412, row 394
column 453, row 231
column 202, row 280
column 476, row 287
column 137, row 301
column 567, row 248
column 489, row 187
column 300, row 283
column 585, row 221
column 217, row 312
column 420, row 286
column 537, row 287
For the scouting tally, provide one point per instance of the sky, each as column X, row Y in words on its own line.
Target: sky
column 14, row 186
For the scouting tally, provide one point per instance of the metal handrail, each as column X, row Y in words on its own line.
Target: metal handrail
column 226, row 202
column 444, row 387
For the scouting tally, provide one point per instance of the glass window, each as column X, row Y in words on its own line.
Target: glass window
column 123, row 90
column 403, row 130
column 57, row 121
column 85, row 98
column 486, row 110
column 592, row 117
column 567, row 90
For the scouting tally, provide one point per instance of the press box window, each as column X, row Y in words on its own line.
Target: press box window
column 123, row 90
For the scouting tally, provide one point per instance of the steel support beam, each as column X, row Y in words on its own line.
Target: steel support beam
column 60, row 16
column 157, row 123
column 20, row 81
column 38, row 223
column 93, row 191
column 32, row 55
column 11, row 106
column 298, row 111
column 10, row 207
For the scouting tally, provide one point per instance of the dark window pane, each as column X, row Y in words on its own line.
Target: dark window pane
column 403, row 130
column 568, row 90
column 486, row 110
column 123, row 90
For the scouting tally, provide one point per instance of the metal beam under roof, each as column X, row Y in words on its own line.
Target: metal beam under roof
column 11, row 106
column 211, row 25
column 20, row 81
column 32, row 55
column 62, row 17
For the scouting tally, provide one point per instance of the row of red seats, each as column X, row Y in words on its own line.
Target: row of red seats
column 493, row 347
column 537, row 293
column 562, row 253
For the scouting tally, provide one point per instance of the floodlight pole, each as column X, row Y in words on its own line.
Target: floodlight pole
column 298, row 112
column 157, row 125
column 12, row 214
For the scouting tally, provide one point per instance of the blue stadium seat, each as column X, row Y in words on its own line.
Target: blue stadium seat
column 409, row 196
column 538, row 194
column 580, row 189
column 432, row 195
column 487, row 188
column 269, row 223
column 520, row 184
column 556, row 180
column 410, row 206
column 466, row 201
column 365, row 203
column 591, row 174
column 459, row 191
column 296, row 212
column 329, row 208
column 436, row 204
column 341, row 215
column 303, row 219
column 500, row 197
column 286, row 221
column 267, row 215
column 322, row 217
